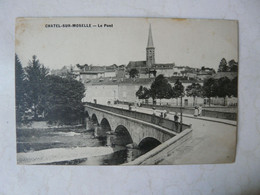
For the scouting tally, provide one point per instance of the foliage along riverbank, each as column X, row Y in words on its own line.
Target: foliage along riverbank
column 45, row 125
column 42, row 96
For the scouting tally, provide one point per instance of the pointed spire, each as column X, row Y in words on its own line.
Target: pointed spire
column 150, row 38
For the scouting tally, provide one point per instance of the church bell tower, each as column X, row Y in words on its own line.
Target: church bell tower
column 150, row 60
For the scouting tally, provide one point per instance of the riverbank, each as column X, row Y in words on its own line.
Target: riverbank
column 68, row 145
column 44, row 125
column 61, row 154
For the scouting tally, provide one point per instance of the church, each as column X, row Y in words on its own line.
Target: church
column 104, row 89
column 148, row 68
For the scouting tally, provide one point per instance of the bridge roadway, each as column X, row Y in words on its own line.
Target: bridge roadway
column 142, row 128
column 213, row 140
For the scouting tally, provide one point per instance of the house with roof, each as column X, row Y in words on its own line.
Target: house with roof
column 89, row 72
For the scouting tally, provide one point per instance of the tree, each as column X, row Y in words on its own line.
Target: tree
column 223, row 65
column 81, row 67
column 194, row 90
column 209, row 88
column 139, row 93
column 223, row 88
column 146, row 93
column 133, row 73
column 178, row 90
column 70, row 74
column 56, row 98
column 161, row 88
column 36, row 86
column 233, row 66
column 20, row 102
column 143, row 93
column 63, row 103
column 233, row 87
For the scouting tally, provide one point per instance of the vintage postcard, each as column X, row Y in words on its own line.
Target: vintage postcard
column 126, row 91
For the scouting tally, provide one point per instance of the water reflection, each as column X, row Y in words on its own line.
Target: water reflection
column 121, row 154
column 30, row 140
column 118, row 157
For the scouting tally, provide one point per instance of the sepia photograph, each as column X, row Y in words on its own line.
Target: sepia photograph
column 126, row 91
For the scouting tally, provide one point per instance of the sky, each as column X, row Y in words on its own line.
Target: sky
column 186, row 42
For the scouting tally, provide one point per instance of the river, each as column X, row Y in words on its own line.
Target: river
column 54, row 144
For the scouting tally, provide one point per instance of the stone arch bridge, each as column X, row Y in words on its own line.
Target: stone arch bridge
column 139, row 128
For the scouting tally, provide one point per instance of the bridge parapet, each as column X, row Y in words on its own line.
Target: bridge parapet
column 162, row 122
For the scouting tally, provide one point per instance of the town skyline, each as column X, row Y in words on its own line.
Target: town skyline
column 193, row 43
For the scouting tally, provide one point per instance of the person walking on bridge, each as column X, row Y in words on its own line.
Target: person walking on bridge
column 164, row 113
column 176, row 121
column 196, row 111
column 176, row 117
column 129, row 107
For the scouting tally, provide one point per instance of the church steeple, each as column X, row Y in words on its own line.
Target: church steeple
column 150, row 60
column 150, row 38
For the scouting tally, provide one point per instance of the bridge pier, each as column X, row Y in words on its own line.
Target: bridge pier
column 99, row 132
column 132, row 146
column 88, row 123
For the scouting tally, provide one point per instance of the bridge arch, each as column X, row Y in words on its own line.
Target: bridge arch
column 86, row 114
column 134, row 130
column 148, row 143
column 123, row 134
column 105, row 125
column 94, row 119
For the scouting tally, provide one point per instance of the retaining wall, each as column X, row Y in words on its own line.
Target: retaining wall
column 156, row 155
column 185, row 110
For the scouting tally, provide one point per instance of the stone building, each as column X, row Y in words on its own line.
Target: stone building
column 109, row 90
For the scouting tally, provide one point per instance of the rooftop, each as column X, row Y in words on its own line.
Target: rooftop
column 91, row 72
column 229, row 75
column 164, row 66
column 136, row 81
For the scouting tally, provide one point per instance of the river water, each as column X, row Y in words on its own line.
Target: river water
column 31, row 141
